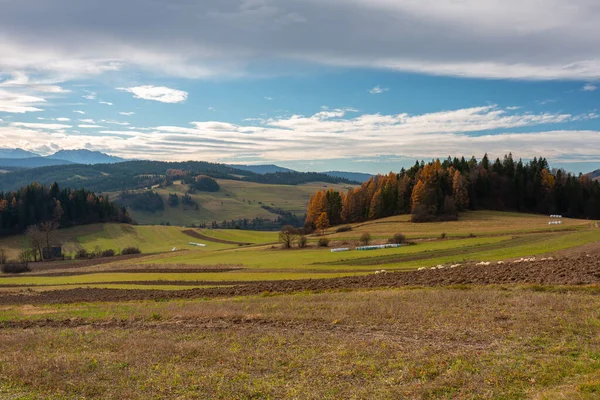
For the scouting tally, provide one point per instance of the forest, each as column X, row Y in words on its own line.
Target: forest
column 440, row 190
column 133, row 175
column 35, row 204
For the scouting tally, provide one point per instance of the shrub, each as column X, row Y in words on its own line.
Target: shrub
column 2, row 256
column 81, row 254
column 15, row 268
column 108, row 253
column 131, row 250
column 323, row 242
column 443, row 235
column 365, row 239
column 302, row 241
column 472, row 235
column 398, row 238
column 346, row 228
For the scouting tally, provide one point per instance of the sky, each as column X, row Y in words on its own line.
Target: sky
column 355, row 85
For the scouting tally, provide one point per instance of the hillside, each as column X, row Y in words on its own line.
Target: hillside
column 141, row 174
column 235, row 200
column 595, row 175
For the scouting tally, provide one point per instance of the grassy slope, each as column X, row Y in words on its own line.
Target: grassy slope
column 235, row 200
column 268, row 262
column 475, row 222
column 150, row 239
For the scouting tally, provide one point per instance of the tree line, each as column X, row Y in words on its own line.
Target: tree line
column 440, row 190
column 36, row 204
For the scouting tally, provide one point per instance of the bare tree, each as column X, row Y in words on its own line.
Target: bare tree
column 48, row 229
column 287, row 235
column 35, row 236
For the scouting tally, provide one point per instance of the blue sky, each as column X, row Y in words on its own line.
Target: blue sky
column 313, row 85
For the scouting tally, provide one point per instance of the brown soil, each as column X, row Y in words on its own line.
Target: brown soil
column 142, row 270
column 198, row 235
column 51, row 265
column 582, row 270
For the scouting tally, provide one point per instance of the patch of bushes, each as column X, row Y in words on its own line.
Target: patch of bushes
column 82, row 254
column 131, row 250
column 323, row 242
column 365, row 239
column 443, row 235
column 398, row 238
column 302, row 242
column 341, row 229
column 108, row 253
column 15, row 268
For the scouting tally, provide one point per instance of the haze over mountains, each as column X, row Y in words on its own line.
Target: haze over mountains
column 23, row 159
column 26, row 159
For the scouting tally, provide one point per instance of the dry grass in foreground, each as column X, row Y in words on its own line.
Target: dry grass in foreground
column 480, row 343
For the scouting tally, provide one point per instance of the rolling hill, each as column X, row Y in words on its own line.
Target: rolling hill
column 142, row 174
column 236, row 200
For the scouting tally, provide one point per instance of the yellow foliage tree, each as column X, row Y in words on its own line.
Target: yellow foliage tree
column 322, row 222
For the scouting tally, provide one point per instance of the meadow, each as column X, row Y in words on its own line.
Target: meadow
column 236, row 199
column 227, row 321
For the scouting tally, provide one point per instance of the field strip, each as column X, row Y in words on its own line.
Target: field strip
column 567, row 271
column 398, row 258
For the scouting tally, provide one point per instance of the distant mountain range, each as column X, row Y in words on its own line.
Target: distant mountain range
column 351, row 176
column 271, row 169
column 261, row 169
column 595, row 175
column 19, row 158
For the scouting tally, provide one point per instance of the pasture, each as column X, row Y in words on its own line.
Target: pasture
column 244, row 318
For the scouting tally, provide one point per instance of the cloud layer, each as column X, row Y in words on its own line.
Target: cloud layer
column 524, row 39
column 328, row 134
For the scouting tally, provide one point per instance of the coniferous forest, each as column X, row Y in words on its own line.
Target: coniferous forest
column 34, row 204
column 440, row 190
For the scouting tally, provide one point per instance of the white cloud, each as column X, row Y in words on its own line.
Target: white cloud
column 333, row 133
column 105, row 103
column 85, row 126
column 33, row 125
column 87, row 121
column 90, row 95
column 127, row 113
column 19, row 103
column 79, row 112
column 62, row 119
column 378, row 90
column 589, row 87
column 211, row 109
column 115, row 122
column 162, row 94
column 268, row 98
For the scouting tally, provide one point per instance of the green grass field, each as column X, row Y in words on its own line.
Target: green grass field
column 497, row 236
